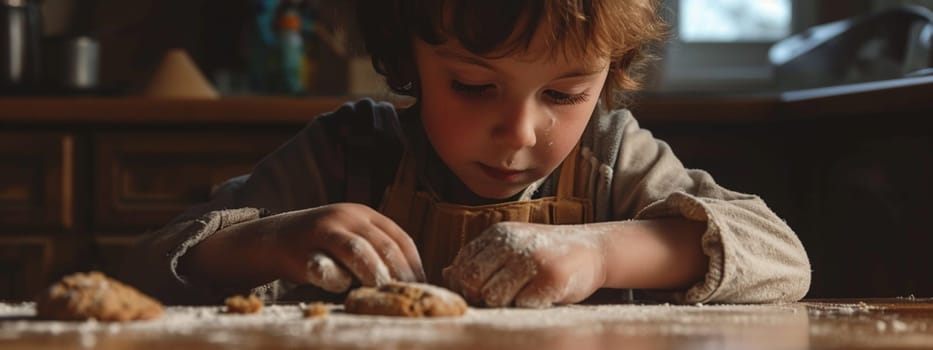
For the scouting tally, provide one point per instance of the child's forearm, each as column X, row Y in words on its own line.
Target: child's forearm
column 237, row 257
column 654, row 254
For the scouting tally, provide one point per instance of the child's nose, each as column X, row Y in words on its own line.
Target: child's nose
column 517, row 127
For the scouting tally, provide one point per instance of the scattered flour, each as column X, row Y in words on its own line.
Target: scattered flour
column 731, row 326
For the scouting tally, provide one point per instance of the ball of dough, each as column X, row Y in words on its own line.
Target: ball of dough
column 83, row 296
column 405, row 299
column 316, row 310
column 239, row 304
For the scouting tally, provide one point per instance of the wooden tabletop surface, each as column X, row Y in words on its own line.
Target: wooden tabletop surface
column 903, row 323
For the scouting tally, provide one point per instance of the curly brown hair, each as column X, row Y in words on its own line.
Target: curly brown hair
column 623, row 30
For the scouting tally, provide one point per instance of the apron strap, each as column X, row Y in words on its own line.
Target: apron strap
column 565, row 183
column 405, row 173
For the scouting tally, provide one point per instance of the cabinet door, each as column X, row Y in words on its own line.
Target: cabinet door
column 142, row 180
column 25, row 264
column 36, row 179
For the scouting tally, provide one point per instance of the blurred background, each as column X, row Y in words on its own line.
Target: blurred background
column 262, row 47
column 278, row 47
column 819, row 106
column 728, row 46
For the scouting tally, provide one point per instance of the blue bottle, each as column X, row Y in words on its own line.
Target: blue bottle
column 263, row 47
column 292, row 52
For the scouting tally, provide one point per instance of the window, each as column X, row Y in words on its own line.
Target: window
column 733, row 20
column 722, row 45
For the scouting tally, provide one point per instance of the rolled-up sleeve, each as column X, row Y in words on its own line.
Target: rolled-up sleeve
column 153, row 266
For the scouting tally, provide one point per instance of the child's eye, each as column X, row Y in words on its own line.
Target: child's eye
column 566, row 99
column 471, row 90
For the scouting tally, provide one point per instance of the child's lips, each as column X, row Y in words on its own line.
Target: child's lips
column 501, row 174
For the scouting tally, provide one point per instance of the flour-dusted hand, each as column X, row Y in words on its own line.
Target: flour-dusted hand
column 327, row 274
column 325, row 245
column 530, row 265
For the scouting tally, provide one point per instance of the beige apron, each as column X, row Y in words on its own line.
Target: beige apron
column 441, row 229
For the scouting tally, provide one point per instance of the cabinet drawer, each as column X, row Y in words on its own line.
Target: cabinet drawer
column 36, row 179
column 142, row 180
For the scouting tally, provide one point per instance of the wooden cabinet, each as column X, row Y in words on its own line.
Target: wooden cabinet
column 83, row 179
column 25, row 264
column 143, row 179
column 36, row 181
column 36, row 207
column 129, row 180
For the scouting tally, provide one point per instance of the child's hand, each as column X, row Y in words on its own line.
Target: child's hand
column 530, row 265
column 323, row 243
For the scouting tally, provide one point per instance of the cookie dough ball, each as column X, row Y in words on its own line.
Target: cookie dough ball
column 406, row 300
column 239, row 304
column 83, row 296
column 316, row 310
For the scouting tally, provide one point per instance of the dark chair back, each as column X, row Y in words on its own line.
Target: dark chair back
column 892, row 43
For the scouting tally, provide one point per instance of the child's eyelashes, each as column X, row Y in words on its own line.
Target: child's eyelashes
column 485, row 90
column 471, row 90
column 566, row 99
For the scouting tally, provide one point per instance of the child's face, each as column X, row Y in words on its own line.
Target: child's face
column 501, row 124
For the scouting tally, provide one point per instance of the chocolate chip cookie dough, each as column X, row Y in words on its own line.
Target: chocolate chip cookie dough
column 239, row 304
column 406, row 300
column 83, row 296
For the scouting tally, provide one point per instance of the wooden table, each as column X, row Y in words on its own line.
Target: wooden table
column 817, row 324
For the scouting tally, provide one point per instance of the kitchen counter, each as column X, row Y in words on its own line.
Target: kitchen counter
column 817, row 324
column 137, row 110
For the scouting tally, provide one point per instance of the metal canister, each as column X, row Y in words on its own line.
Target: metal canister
column 82, row 63
column 20, row 35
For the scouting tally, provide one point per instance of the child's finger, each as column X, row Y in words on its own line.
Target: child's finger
column 472, row 274
column 505, row 284
column 356, row 254
column 325, row 273
column 450, row 276
column 475, row 246
column 451, row 273
column 389, row 252
column 405, row 244
column 539, row 293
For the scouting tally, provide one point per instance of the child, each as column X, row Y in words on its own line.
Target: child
column 514, row 179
